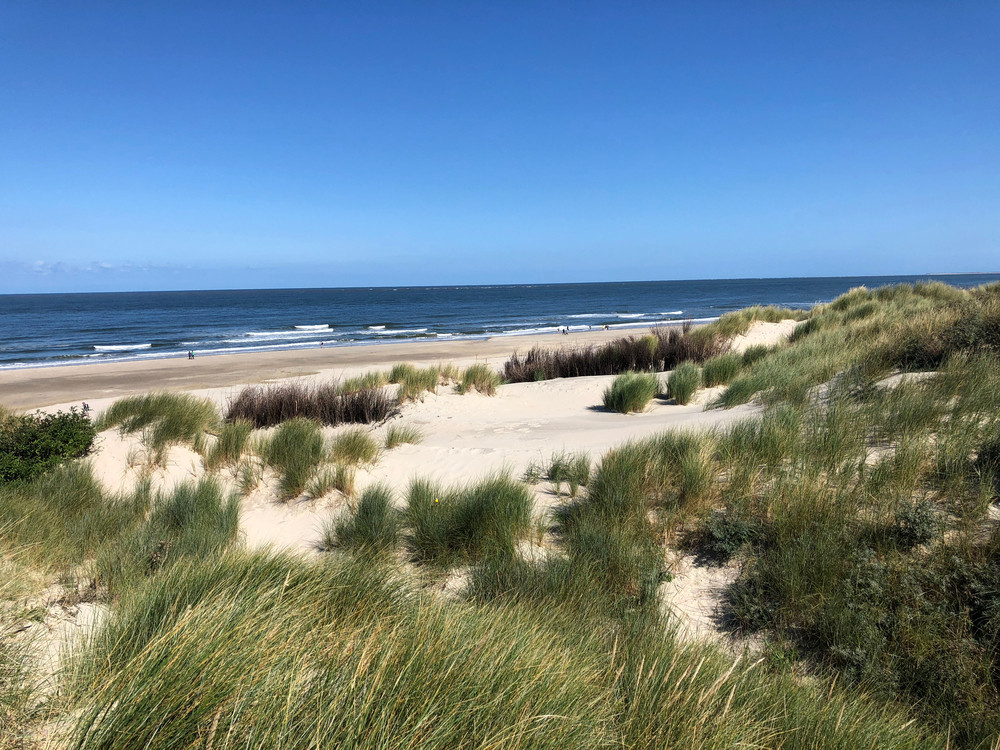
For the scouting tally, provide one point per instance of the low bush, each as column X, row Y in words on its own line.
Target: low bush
column 267, row 406
column 683, row 382
column 660, row 350
column 631, row 392
column 413, row 383
column 33, row 444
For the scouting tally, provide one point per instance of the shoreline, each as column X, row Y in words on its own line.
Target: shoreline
column 39, row 387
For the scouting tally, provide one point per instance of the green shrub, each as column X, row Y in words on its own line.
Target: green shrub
column 722, row 369
column 683, row 382
column 32, row 444
column 631, row 392
column 481, row 377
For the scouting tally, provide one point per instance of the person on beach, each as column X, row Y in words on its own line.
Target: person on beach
column 190, row 354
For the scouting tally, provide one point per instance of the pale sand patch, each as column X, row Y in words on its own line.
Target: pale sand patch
column 694, row 597
column 762, row 333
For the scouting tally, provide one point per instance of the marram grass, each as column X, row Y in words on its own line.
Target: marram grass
column 631, row 392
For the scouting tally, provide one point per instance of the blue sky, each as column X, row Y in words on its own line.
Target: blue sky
column 204, row 145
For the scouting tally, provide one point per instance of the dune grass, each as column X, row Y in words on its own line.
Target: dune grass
column 338, row 477
column 662, row 349
column 295, row 450
column 194, row 521
column 229, row 445
column 373, row 524
column 368, row 381
column 479, row 377
column 631, row 392
column 722, row 369
column 355, row 446
column 739, row 321
column 267, row 406
column 414, row 382
column 571, row 469
column 448, row 524
column 64, row 516
column 164, row 418
column 683, row 381
column 398, row 435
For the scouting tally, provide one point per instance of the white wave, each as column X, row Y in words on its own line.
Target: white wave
column 444, row 335
column 323, row 327
column 591, row 315
column 121, row 347
column 672, row 312
column 630, row 316
column 279, row 334
column 401, row 330
column 376, row 328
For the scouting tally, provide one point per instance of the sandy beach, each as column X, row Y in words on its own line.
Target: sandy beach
column 32, row 388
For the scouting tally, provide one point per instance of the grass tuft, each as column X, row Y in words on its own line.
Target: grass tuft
column 398, row 435
column 374, row 524
column 354, row 446
column 683, row 382
column 480, row 377
column 631, row 392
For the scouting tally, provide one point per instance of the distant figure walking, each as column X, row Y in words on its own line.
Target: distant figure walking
column 86, row 407
column 190, row 354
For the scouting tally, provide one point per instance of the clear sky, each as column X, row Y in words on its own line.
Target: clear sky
column 182, row 145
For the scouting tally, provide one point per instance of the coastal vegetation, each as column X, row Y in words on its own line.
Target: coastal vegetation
column 856, row 507
column 32, row 444
column 631, row 392
column 662, row 349
column 683, row 381
column 479, row 377
column 267, row 406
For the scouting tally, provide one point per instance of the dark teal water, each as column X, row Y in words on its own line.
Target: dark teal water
column 51, row 329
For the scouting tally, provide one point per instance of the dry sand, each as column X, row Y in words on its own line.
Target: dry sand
column 464, row 436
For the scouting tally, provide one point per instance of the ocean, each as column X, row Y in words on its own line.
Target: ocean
column 56, row 329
